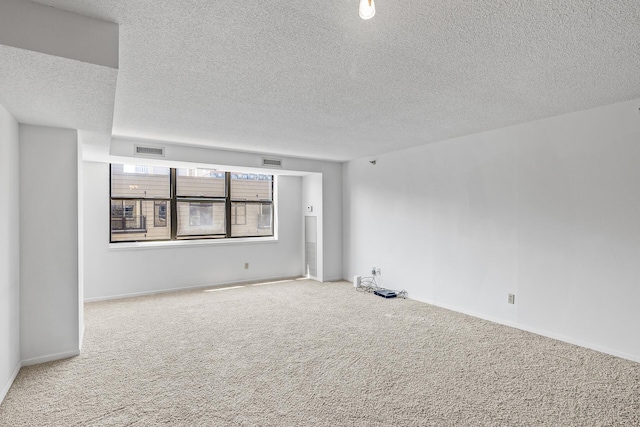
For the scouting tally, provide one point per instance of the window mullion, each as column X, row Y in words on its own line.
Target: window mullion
column 174, row 204
column 227, row 204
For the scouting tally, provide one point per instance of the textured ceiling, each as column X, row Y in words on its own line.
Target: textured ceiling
column 57, row 68
column 312, row 79
column 49, row 90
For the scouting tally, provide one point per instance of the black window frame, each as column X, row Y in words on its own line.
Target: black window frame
column 174, row 199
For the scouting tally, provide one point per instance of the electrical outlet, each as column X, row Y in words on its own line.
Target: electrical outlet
column 246, row 265
column 512, row 299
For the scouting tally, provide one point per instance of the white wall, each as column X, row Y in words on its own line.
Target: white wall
column 111, row 272
column 9, row 252
column 80, row 192
column 548, row 210
column 332, row 222
column 48, row 243
column 312, row 197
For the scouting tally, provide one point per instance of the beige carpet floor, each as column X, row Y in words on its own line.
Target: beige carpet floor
column 302, row 353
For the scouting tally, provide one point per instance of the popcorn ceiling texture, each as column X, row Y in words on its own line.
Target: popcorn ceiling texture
column 310, row 78
column 52, row 91
column 304, row 353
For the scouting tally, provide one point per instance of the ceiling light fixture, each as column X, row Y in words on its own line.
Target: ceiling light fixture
column 367, row 9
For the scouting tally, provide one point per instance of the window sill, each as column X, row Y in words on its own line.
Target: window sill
column 185, row 243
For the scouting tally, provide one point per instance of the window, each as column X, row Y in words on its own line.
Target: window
column 132, row 181
column 201, row 200
column 126, row 216
column 264, row 221
column 200, row 183
column 251, row 197
column 200, row 214
column 238, row 213
column 201, row 219
column 188, row 203
column 160, row 214
column 140, row 207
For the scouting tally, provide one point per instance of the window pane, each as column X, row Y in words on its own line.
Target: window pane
column 248, row 186
column 139, row 181
column 200, row 218
column 258, row 221
column 135, row 220
column 200, row 183
column 238, row 213
column 160, row 214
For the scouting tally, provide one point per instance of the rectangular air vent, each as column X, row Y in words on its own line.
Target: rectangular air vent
column 149, row 151
column 271, row 163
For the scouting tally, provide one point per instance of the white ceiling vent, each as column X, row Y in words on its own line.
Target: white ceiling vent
column 149, row 151
column 272, row 163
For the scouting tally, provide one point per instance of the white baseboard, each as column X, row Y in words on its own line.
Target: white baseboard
column 50, row 357
column 7, row 386
column 544, row 333
column 334, row 279
column 189, row 288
